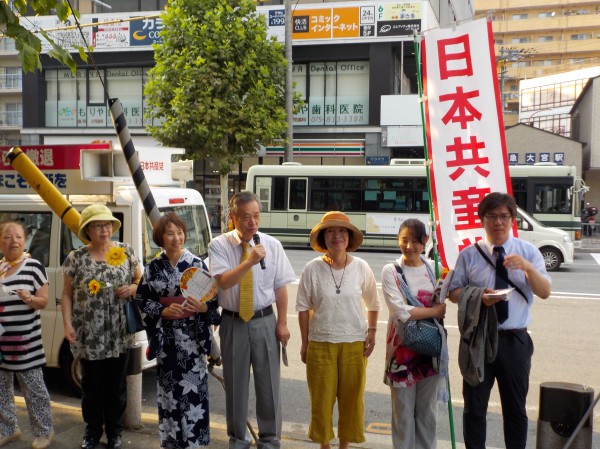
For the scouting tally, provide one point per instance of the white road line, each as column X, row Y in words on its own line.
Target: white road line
column 596, row 257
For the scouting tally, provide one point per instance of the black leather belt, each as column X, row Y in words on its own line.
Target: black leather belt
column 257, row 314
column 504, row 332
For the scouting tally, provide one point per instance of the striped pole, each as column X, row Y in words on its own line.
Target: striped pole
column 44, row 188
column 131, row 156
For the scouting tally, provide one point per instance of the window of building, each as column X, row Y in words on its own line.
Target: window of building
column 12, row 77
column 517, row 64
column 14, row 114
column 299, row 80
column 79, row 100
column 552, row 95
column 545, row 15
column 126, row 85
column 519, row 16
column 7, row 44
column 336, row 93
column 545, row 38
column 520, row 40
column 558, row 123
column 128, row 5
column 580, row 37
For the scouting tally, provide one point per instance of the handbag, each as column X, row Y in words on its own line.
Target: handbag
column 133, row 317
column 421, row 336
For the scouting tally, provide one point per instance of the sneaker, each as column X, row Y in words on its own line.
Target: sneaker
column 5, row 439
column 89, row 442
column 42, row 442
column 114, row 442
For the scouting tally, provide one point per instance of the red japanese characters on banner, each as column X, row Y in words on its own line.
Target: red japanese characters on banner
column 465, row 131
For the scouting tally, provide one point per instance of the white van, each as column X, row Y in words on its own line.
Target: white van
column 555, row 244
column 94, row 176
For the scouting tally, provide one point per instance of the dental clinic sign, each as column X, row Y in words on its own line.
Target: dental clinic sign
column 465, row 131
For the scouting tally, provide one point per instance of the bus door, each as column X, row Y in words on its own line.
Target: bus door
column 263, row 191
column 297, row 197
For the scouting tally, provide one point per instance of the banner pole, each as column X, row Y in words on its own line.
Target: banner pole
column 417, row 42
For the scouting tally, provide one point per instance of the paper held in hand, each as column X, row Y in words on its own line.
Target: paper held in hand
column 502, row 293
column 196, row 283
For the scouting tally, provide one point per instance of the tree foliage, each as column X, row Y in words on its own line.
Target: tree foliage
column 219, row 81
column 27, row 43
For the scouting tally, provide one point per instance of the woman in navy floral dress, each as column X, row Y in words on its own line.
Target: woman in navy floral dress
column 182, row 339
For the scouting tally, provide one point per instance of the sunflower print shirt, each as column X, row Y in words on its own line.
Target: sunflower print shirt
column 98, row 314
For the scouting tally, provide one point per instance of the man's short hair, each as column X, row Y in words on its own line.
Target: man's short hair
column 243, row 197
column 494, row 200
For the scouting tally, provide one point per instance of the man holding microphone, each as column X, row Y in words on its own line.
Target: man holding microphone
column 252, row 272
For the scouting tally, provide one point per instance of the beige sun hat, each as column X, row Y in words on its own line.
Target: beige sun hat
column 95, row 212
column 335, row 219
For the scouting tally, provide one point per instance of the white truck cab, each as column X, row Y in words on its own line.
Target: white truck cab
column 87, row 176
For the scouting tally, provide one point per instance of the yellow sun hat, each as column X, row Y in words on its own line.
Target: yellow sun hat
column 335, row 219
column 95, row 212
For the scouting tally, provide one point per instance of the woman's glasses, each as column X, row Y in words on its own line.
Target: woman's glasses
column 98, row 226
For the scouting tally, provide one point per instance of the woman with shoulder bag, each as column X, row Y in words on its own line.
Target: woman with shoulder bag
column 98, row 278
column 412, row 377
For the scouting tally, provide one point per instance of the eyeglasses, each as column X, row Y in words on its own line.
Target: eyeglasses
column 503, row 217
column 98, row 226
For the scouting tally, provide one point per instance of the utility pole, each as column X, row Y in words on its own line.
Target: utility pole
column 504, row 58
column 289, row 99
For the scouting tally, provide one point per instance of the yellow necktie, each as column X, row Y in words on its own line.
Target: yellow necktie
column 246, row 293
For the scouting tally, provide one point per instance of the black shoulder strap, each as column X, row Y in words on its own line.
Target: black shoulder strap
column 508, row 281
column 399, row 270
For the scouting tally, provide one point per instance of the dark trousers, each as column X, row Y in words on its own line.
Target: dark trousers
column 104, row 395
column 511, row 369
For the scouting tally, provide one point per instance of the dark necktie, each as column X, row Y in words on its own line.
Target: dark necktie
column 501, row 276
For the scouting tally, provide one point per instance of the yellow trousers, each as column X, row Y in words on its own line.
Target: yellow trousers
column 336, row 371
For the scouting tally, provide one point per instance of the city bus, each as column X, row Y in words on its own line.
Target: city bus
column 378, row 198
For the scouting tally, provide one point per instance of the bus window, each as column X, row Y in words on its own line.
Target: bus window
column 552, row 198
column 336, row 194
column 279, row 193
column 298, row 194
column 263, row 191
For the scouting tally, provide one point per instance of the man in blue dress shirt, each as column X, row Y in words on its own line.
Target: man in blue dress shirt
column 523, row 265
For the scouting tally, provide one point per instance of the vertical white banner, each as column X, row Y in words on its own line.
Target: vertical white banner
column 465, row 130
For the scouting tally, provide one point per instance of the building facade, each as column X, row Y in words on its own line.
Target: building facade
column 353, row 63
column 586, row 128
column 11, row 89
column 540, row 38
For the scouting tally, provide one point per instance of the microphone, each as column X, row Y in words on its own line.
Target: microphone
column 256, row 239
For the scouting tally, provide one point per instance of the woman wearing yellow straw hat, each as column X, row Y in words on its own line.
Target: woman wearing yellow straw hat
column 98, row 278
column 337, row 337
